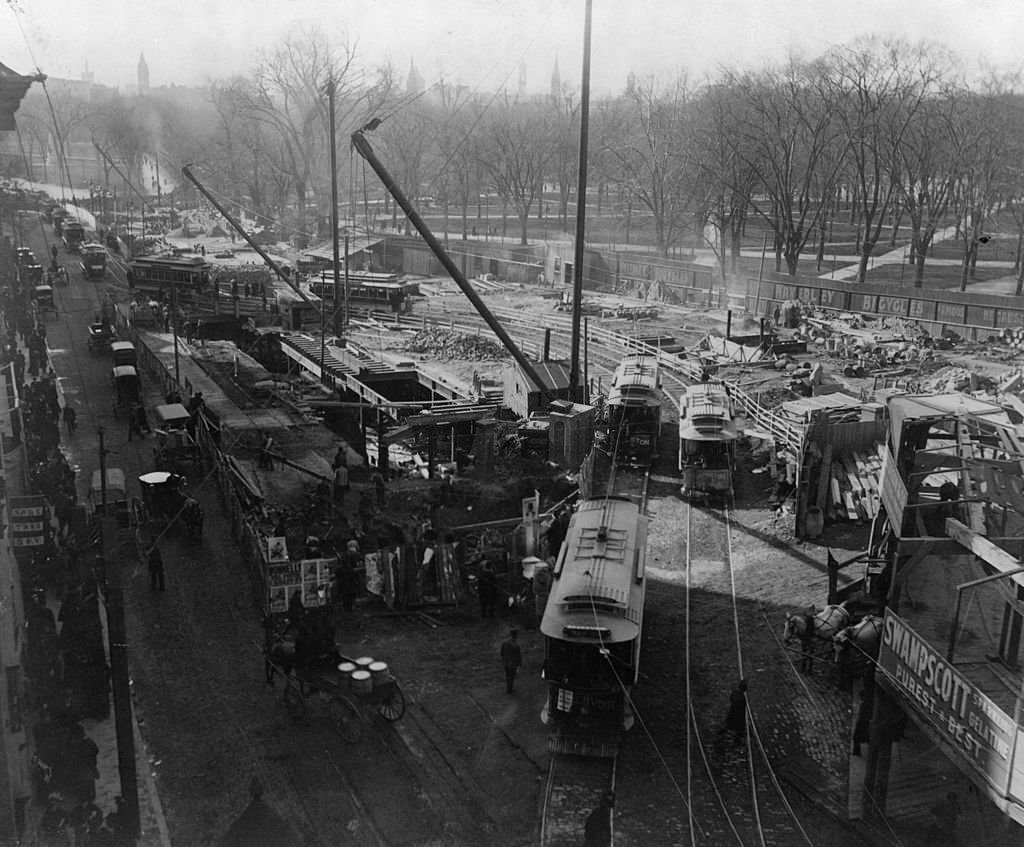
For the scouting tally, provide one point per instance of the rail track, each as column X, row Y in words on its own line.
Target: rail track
column 576, row 783
column 733, row 795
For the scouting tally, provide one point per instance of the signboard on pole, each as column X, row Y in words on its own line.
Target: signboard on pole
column 957, row 710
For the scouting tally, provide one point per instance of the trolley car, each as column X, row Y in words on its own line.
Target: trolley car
column 592, row 627
column 634, row 410
column 707, row 441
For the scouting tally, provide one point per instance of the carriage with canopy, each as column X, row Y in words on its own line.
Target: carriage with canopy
column 164, row 498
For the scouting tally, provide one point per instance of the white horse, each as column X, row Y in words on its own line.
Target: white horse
column 814, row 627
column 855, row 647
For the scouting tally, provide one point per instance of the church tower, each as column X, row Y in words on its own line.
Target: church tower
column 414, row 83
column 522, row 78
column 556, row 82
column 143, row 75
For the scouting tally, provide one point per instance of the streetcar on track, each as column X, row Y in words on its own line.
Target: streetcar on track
column 707, row 441
column 368, row 291
column 592, row 627
column 634, row 410
column 160, row 275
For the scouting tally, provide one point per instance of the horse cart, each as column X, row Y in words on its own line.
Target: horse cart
column 124, row 380
column 175, row 438
column 164, row 499
column 100, row 337
column 108, row 494
column 352, row 690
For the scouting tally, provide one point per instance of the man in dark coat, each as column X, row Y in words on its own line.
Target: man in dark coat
column 488, row 589
column 512, row 659
column 736, row 718
column 598, row 828
column 156, row 570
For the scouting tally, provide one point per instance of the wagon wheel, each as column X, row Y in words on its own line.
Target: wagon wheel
column 345, row 718
column 392, row 707
column 294, row 702
column 138, row 512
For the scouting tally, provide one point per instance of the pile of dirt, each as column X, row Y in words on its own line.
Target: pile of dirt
column 448, row 344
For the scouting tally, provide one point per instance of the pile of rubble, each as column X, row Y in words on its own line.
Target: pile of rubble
column 449, row 344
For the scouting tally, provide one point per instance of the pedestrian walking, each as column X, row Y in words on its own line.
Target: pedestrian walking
column 133, row 422
column 70, row 418
column 862, row 728
column 736, row 717
column 512, row 659
column 487, row 586
column 597, row 832
column 156, row 570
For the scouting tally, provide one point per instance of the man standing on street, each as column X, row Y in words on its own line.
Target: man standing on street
column 156, row 570
column 511, row 658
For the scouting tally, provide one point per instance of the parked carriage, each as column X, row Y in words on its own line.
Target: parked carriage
column 42, row 298
column 707, row 441
column 108, row 493
column 124, row 380
column 592, row 626
column 100, row 337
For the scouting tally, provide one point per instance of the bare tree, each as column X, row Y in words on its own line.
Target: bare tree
column 647, row 139
column 927, row 163
column 516, row 153
column 787, row 133
column 877, row 88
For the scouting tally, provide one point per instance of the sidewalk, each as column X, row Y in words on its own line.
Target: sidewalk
column 79, row 384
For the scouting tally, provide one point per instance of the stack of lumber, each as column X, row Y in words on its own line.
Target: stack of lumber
column 853, row 485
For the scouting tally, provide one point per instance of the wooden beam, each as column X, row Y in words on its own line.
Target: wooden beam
column 983, row 548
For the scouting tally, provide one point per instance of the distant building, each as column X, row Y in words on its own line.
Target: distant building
column 522, row 79
column 414, row 84
column 143, row 75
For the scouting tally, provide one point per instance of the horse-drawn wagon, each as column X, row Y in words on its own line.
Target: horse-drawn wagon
column 100, row 337
column 164, row 499
column 353, row 690
column 175, row 437
column 124, row 381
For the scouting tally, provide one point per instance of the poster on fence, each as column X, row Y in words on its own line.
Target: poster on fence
column 316, row 581
column 277, row 550
column 374, row 576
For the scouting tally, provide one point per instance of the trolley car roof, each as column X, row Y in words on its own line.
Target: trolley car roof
column 598, row 590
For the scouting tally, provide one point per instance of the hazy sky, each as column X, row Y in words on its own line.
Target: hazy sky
column 482, row 42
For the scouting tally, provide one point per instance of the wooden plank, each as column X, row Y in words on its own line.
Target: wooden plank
column 825, row 476
column 851, row 506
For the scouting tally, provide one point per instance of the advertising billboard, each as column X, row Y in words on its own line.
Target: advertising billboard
column 934, row 689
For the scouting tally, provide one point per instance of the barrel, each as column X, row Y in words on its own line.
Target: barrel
column 361, row 682
column 346, row 670
column 379, row 672
column 363, row 663
column 814, row 524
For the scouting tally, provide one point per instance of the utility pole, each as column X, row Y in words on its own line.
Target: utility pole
column 174, row 326
column 345, row 322
column 334, row 208
column 581, row 212
column 120, row 680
